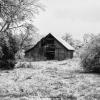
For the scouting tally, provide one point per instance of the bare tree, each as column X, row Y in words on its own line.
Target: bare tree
column 15, row 17
column 27, row 37
column 68, row 38
column 14, row 12
column 87, row 37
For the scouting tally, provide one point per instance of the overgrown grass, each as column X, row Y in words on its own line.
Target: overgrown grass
column 49, row 79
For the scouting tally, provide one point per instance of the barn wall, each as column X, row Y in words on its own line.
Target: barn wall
column 61, row 52
column 36, row 53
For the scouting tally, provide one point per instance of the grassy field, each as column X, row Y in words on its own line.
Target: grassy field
column 43, row 80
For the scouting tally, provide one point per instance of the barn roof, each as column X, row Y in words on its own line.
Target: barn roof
column 63, row 42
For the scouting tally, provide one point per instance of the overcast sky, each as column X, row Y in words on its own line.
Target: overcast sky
column 72, row 16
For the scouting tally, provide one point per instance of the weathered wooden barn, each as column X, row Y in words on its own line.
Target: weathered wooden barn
column 50, row 47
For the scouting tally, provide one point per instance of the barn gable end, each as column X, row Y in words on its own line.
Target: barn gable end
column 50, row 48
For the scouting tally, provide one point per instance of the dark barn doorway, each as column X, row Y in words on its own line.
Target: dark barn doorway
column 50, row 56
column 50, row 48
column 50, row 53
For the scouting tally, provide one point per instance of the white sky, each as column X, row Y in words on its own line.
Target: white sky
column 72, row 16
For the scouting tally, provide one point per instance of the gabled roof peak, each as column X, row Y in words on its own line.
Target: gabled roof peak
column 59, row 39
column 63, row 42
